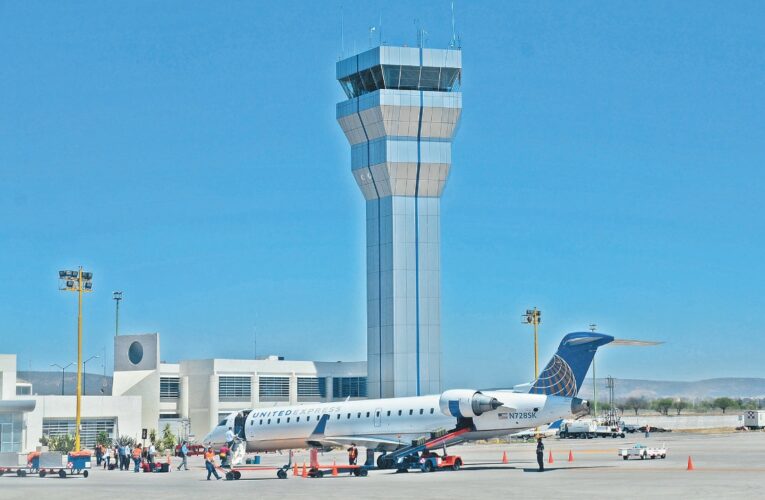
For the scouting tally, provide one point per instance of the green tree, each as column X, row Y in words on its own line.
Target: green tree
column 168, row 440
column 635, row 404
column 679, row 405
column 64, row 443
column 724, row 404
column 124, row 441
column 153, row 436
column 103, row 439
column 662, row 405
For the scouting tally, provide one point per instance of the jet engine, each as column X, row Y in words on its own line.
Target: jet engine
column 466, row 403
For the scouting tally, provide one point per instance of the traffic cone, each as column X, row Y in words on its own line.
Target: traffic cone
column 690, row 463
column 570, row 456
column 295, row 471
column 550, row 458
column 334, row 468
column 504, row 457
column 304, row 473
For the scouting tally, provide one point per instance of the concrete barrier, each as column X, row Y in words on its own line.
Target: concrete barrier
column 682, row 422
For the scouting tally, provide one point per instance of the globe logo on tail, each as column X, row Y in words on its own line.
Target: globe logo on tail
column 557, row 379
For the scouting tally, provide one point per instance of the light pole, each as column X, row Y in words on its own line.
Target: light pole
column 84, row 372
column 594, row 327
column 117, row 296
column 63, row 368
column 81, row 282
column 534, row 317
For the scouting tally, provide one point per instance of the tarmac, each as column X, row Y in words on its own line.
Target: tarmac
column 728, row 465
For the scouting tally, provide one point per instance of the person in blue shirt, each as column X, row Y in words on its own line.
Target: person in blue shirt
column 184, row 456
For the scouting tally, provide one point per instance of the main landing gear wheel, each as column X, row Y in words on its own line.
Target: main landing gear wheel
column 281, row 474
column 61, row 473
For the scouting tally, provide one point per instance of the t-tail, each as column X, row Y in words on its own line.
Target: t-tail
column 564, row 374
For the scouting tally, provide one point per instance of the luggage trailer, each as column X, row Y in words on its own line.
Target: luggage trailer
column 43, row 464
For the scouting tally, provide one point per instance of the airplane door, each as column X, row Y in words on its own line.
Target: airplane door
column 378, row 417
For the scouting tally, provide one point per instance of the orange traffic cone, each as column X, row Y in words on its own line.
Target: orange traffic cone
column 304, row 473
column 504, row 457
column 690, row 463
column 550, row 458
column 570, row 456
column 334, row 468
column 295, row 471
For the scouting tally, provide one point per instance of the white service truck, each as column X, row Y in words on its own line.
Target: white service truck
column 754, row 419
column 584, row 429
column 642, row 452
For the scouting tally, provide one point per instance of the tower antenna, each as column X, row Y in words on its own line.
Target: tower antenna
column 454, row 33
column 342, row 34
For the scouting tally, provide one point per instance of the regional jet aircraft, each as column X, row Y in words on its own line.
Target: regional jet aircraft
column 390, row 424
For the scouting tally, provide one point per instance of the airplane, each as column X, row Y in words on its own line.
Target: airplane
column 389, row 424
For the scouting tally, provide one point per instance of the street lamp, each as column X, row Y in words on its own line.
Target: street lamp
column 117, row 296
column 84, row 372
column 534, row 317
column 63, row 368
column 594, row 327
column 81, row 282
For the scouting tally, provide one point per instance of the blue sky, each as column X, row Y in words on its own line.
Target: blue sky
column 608, row 169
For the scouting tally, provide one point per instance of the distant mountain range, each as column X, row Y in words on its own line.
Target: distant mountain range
column 700, row 389
column 49, row 383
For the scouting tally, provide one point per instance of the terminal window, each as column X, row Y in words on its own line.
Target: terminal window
column 90, row 429
column 169, row 388
column 231, row 388
column 311, row 388
column 274, row 388
column 354, row 387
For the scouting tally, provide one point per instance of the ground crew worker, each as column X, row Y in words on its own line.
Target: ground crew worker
column 540, row 454
column 353, row 455
column 210, row 464
column 137, row 458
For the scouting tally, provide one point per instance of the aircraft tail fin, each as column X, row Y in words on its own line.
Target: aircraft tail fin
column 564, row 374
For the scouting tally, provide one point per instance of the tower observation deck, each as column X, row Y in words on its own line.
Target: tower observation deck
column 402, row 111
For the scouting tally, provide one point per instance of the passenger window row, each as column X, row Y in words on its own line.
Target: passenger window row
column 338, row 416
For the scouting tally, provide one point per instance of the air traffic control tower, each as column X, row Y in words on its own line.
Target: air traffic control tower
column 401, row 114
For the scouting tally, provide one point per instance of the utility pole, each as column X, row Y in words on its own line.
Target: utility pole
column 534, row 317
column 594, row 327
column 117, row 296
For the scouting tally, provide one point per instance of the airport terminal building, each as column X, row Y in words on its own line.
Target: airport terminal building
column 192, row 395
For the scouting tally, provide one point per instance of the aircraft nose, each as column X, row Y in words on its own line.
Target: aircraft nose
column 579, row 407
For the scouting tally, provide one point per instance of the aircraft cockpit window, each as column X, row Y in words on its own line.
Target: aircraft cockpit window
column 223, row 422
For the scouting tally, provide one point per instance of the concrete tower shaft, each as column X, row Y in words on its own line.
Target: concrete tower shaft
column 402, row 111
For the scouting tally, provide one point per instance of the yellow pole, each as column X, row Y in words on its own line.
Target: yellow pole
column 79, row 361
